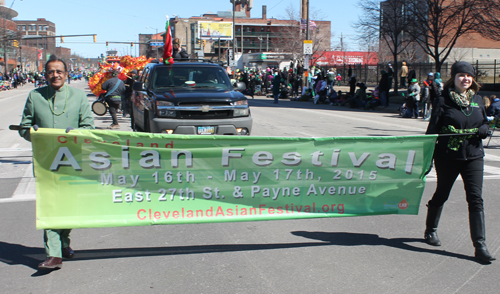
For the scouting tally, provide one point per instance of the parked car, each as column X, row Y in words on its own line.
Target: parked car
column 189, row 98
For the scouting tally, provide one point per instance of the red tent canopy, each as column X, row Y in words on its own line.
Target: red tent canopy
column 338, row 58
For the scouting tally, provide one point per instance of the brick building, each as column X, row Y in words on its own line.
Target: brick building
column 8, row 30
column 64, row 53
column 31, row 29
column 251, row 35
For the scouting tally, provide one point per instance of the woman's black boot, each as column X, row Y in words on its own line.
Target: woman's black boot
column 431, row 224
column 478, row 236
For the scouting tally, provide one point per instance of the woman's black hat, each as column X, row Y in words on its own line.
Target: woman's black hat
column 462, row 66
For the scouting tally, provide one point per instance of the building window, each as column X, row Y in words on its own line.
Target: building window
column 24, row 28
column 261, row 29
column 40, row 28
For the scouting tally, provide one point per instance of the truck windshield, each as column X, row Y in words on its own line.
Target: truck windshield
column 190, row 77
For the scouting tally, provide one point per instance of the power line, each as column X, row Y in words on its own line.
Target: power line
column 275, row 5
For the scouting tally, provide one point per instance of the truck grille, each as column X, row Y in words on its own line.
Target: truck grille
column 204, row 115
column 204, row 103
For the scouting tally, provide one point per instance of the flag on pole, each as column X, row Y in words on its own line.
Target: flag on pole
column 167, row 49
column 312, row 25
column 303, row 24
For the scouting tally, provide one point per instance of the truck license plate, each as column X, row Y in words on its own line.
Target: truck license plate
column 206, row 130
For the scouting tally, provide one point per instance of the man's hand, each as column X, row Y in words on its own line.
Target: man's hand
column 35, row 127
column 69, row 129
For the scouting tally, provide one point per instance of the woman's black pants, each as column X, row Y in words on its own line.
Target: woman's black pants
column 472, row 176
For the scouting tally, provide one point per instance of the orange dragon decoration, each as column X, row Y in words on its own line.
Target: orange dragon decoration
column 126, row 65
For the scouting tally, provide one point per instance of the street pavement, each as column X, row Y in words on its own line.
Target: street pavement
column 376, row 254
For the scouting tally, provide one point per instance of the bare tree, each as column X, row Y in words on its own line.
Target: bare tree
column 410, row 53
column 438, row 24
column 489, row 18
column 290, row 37
column 370, row 45
column 387, row 20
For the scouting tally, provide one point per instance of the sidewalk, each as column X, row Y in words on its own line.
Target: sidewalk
column 395, row 101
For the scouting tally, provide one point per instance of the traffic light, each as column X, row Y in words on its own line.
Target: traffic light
column 132, row 44
column 62, row 39
column 107, row 44
column 204, row 42
column 15, row 43
column 94, row 38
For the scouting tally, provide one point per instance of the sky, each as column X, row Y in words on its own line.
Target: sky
column 124, row 20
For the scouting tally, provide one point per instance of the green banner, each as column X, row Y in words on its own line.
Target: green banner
column 104, row 178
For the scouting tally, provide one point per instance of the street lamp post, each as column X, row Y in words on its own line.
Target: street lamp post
column 21, row 56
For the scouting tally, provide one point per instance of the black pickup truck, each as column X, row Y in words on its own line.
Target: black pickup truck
column 189, row 98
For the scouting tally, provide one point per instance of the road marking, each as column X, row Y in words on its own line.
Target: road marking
column 14, row 149
column 491, row 157
column 26, row 189
column 490, row 173
column 19, row 198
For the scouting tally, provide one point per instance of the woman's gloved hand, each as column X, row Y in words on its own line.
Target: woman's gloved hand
column 483, row 131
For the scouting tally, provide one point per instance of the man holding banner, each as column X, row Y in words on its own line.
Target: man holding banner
column 60, row 107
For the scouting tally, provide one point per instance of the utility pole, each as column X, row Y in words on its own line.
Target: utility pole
column 234, row 29
column 307, row 21
column 307, row 38
column 4, row 32
column 342, row 48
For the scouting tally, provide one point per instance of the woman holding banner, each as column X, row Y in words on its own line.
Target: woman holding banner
column 60, row 107
column 459, row 110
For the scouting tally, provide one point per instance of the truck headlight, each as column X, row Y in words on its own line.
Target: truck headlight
column 241, row 108
column 165, row 109
column 166, row 112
